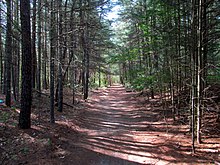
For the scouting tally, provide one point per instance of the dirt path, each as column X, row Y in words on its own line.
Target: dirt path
column 113, row 127
column 130, row 132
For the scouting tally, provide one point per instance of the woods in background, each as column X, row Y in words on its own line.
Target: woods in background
column 172, row 48
column 68, row 41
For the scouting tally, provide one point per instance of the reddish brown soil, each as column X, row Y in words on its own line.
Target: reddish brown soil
column 113, row 127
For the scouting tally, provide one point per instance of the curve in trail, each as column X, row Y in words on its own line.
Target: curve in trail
column 114, row 123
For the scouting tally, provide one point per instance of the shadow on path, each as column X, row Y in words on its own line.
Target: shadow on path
column 114, row 123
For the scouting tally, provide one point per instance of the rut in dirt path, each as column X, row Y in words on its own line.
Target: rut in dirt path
column 116, row 124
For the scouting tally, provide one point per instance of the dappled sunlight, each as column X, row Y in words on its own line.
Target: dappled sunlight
column 147, row 148
column 120, row 127
column 116, row 129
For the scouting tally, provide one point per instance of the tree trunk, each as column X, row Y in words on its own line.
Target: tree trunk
column 52, row 55
column 200, row 70
column 34, row 44
column 72, row 55
column 45, row 86
column 194, row 71
column 26, row 89
column 1, row 51
column 85, row 62
column 16, row 56
column 39, row 48
column 8, row 51
column 99, row 75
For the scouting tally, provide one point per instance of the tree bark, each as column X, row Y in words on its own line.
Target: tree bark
column 8, row 51
column 194, row 71
column 45, row 85
column 26, row 89
column 1, row 51
column 52, row 55
column 85, row 61
column 72, row 54
column 39, row 46
column 16, row 55
column 60, row 65
column 34, row 44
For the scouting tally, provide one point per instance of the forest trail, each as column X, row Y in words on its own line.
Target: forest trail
column 112, row 127
column 123, row 131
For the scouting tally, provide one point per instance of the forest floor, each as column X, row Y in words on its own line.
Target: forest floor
column 112, row 127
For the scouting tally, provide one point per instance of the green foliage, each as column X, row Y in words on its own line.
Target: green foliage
column 213, row 78
column 14, row 157
column 144, row 82
column 25, row 150
column 93, row 85
column 4, row 117
column 13, row 108
column 49, row 142
column 140, row 81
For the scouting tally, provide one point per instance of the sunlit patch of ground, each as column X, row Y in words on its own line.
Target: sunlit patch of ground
column 118, row 125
